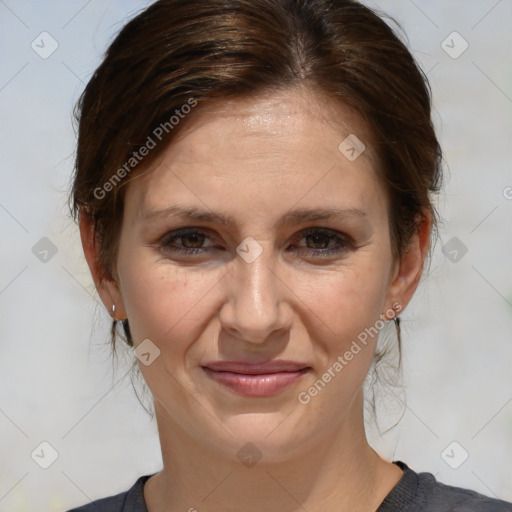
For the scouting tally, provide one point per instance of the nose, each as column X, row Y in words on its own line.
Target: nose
column 257, row 304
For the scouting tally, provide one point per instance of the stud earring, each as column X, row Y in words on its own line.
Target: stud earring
column 113, row 314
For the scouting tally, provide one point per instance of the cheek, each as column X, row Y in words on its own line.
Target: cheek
column 349, row 304
column 344, row 331
column 163, row 302
column 348, row 300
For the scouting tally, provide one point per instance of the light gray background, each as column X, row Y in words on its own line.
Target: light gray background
column 57, row 382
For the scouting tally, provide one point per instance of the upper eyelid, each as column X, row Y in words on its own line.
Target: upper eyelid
column 182, row 232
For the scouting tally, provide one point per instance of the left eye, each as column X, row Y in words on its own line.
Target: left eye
column 322, row 238
column 319, row 242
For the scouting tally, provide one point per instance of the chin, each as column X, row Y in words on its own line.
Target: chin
column 270, row 436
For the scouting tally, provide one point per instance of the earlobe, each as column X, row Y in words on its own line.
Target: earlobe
column 410, row 268
column 107, row 288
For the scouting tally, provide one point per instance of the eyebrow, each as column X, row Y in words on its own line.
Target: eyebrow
column 292, row 217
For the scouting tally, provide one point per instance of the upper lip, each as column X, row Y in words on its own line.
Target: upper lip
column 247, row 368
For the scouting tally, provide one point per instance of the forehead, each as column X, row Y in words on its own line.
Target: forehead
column 273, row 120
column 279, row 147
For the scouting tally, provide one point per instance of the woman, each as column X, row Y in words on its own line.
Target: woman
column 253, row 187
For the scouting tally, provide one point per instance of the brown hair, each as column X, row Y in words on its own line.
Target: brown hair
column 178, row 53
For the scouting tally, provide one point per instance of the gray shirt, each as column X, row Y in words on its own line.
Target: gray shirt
column 415, row 492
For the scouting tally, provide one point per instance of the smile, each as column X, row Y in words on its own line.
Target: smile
column 255, row 380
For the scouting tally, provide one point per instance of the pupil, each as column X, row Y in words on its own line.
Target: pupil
column 317, row 238
column 196, row 237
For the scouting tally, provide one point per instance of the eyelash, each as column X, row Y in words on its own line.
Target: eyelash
column 343, row 242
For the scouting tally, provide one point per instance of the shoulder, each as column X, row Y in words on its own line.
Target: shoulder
column 440, row 497
column 421, row 492
column 131, row 500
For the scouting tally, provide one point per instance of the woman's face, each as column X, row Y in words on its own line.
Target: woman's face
column 288, row 264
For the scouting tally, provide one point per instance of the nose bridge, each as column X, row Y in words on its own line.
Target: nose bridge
column 258, row 281
column 254, row 306
column 257, row 289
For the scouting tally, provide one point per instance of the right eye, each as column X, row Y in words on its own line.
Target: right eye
column 190, row 241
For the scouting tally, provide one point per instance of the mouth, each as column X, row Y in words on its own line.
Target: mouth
column 251, row 379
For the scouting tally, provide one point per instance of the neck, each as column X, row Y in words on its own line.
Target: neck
column 340, row 472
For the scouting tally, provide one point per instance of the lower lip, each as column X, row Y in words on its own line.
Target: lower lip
column 255, row 385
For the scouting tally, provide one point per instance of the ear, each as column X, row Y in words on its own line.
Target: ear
column 107, row 287
column 408, row 271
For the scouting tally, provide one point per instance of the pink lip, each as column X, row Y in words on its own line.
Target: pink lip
column 255, row 379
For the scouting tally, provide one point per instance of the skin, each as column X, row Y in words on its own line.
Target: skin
column 255, row 160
